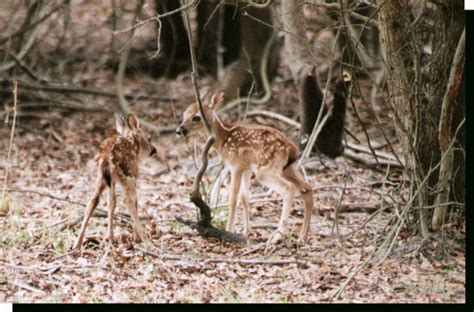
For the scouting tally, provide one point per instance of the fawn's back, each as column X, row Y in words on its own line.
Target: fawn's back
column 258, row 146
column 118, row 155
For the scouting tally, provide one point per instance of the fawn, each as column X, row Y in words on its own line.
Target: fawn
column 264, row 150
column 117, row 161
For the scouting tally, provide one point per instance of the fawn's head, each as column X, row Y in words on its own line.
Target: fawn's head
column 192, row 116
column 131, row 129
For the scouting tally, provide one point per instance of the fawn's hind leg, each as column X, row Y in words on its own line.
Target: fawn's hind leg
column 100, row 185
column 286, row 189
column 111, row 207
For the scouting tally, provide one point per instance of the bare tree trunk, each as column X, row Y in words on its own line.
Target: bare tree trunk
column 445, row 126
column 173, row 41
column 310, row 95
column 417, row 99
column 218, row 36
column 246, row 69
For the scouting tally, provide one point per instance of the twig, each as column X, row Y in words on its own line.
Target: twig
column 47, row 195
column 265, row 80
column 337, row 6
column 12, row 133
column 365, row 150
column 159, row 16
column 24, row 285
column 194, row 73
column 338, row 208
column 122, row 101
column 209, row 231
column 76, row 90
column 205, row 211
column 364, row 223
column 257, row 261
column 204, row 224
column 353, row 146
column 392, row 235
column 275, row 116
column 366, row 133
column 444, row 136
column 223, row 260
column 119, row 215
column 65, row 106
column 31, row 25
column 255, row 4
column 23, row 66
column 369, row 162
column 319, row 123
column 354, row 42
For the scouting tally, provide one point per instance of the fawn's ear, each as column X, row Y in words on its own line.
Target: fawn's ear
column 204, row 93
column 119, row 123
column 133, row 122
column 217, row 99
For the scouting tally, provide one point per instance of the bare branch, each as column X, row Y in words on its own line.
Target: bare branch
column 445, row 122
column 22, row 66
column 12, row 133
column 31, row 25
column 75, row 90
column 204, row 225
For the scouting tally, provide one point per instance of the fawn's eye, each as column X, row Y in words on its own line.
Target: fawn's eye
column 196, row 118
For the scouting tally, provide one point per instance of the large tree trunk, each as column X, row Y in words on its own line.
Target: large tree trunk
column 218, row 36
column 173, row 41
column 247, row 68
column 310, row 95
column 417, row 98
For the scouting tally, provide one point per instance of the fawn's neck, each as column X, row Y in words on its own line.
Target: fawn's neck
column 218, row 128
column 134, row 146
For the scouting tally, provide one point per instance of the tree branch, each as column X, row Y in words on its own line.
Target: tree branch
column 204, row 225
column 445, row 125
column 76, row 90
column 32, row 25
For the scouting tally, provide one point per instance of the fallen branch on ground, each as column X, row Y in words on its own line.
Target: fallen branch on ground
column 88, row 91
column 370, row 162
column 12, row 134
column 99, row 212
column 22, row 284
column 213, row 232
column 224, row 260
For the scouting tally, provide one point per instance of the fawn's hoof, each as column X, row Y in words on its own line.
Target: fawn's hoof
column 276, row 237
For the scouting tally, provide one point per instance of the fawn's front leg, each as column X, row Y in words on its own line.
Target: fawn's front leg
column 236, row 177
column 131, row 202
column 287, row 191
column 244, row 200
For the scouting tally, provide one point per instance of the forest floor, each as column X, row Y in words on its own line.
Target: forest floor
column 51, row 181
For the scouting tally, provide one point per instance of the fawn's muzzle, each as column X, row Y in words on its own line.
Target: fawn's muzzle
column 153, row 150
column 182, row 131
